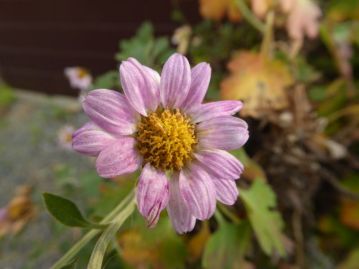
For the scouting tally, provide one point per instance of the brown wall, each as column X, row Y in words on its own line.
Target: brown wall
column 39, row 38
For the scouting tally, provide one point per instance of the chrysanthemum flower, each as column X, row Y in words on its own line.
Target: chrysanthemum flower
column 160, row 126
column 64, row 136
column 303, row 18
column 78, row 77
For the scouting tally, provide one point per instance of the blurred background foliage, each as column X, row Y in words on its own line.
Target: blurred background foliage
column 294, row 64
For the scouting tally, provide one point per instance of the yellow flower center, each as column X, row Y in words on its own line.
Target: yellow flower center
column 81, row 73
column 166, row 139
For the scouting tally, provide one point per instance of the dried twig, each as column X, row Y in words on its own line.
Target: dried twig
column 333, row 181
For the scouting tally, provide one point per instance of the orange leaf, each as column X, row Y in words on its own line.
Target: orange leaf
column 259, row 82
column 349, row 213
column 217, row 9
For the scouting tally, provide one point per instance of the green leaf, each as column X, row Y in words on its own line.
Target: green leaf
column 253, row 169
column 108, row 80
column 66, row 212
column 318, row 93
column 351, row 262
column 227, row 246
column 79, row 245
column 304, row 72
column 160, row 246
column 71, row 265
column 145, row 47
column 7, row 95
column 260, row 201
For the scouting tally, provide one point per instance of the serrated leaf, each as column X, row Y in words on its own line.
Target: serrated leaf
column 66, row 212
column 108, row 80
column 260, row 82
column 145, row 47
column 267, row 223
column 227, row 246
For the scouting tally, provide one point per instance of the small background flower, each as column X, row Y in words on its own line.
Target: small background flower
column 79, row 78
column 303, row 18
column 64, row 136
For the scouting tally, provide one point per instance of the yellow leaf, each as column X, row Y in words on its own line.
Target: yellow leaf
column 349, row 213
column 252, row 171
column 261, row 7
column 197, row 243
column 19, row 211
column 135, row 251
column 259, row 82
column 217, row 9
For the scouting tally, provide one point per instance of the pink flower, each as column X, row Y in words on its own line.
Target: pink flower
column 260, row 7
column 303, row 16
column 64, row 136
column 78, row 77
column 160, row 125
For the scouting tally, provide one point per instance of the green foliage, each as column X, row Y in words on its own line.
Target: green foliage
column 7, row 95
column 108, row 80
column 66, row 212
column 304, row 72
column 145, row 47
column 227, row 246
column 117, row 216
column 351, row 262
column 317, row 93
column 343, row 10
column 252, row 169
column 99, row 251
column 260, row 203
column 207, row 48
column 159, row 246
column 335, row 98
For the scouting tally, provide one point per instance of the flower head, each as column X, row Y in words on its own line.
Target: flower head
column 160, row 125
column 64, row 136
column 181, row 38
column 78, row 77
column 260, row 7
column 303, row 16
column 217, row 9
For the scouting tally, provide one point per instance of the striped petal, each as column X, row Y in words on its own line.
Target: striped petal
column 152, row 194
column 175, row 81
column 182, row 219
column 224, row 132
column 118, row 158
column 226, row 191
column 215, row 109
column 198, row 192
column 220, row 164
column 91, row 139
column 139, row 85
column 110, row 111
column 200, row 77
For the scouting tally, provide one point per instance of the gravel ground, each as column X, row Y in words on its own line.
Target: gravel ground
column 30, row 154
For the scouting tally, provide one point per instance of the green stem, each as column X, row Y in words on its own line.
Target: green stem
column 229, row 214
column 71, row 253
column 266, row 46
column 100, row 248
column 219, row 218
column 249, row 16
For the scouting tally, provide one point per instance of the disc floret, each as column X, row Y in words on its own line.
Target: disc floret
column 166, row 139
